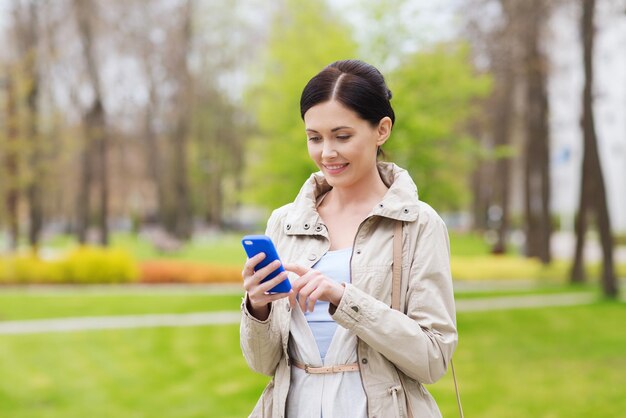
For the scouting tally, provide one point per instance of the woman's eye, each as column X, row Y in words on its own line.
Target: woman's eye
column 314, row 138
column 343, row 137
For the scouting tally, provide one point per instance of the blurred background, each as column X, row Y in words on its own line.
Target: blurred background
column 140, row 140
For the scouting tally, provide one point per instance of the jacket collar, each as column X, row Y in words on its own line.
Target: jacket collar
column 401, row 201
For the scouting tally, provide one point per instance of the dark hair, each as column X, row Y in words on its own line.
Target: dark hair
column 355, row 84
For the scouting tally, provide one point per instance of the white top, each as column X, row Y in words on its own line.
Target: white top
column 324, row 343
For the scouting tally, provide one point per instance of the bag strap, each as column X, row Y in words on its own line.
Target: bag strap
column 396, row 290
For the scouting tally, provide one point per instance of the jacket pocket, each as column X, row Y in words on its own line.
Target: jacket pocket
column 419, row 402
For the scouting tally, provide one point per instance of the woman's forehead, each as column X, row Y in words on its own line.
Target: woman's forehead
column 330, row 115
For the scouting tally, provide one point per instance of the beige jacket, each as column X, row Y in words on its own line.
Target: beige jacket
column 397, row 352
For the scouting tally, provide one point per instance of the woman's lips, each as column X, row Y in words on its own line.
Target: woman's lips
column 335, row 168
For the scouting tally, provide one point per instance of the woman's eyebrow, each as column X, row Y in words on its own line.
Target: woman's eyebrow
column 332, row 130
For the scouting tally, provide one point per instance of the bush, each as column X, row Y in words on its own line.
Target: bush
column 29, row 269
column 174, row 271
column 82, row 265
column 99, row 265
column 505, row 267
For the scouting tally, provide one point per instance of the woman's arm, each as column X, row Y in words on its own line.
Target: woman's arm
column 259, row 333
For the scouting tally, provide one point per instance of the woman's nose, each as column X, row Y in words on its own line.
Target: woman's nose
column 328, row 150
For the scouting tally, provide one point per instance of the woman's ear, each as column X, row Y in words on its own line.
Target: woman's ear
column 384, row 130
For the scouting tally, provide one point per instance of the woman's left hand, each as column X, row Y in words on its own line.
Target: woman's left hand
column 313, row 286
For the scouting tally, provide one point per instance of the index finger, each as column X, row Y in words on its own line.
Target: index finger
column 248, row 268
column 296, row 268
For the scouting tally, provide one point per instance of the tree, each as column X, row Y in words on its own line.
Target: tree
column 11, row 161
column 27, row 36
column 432, row 95
column 537, row 153
column 593, row 192
column 278, row 159
column 95, row 152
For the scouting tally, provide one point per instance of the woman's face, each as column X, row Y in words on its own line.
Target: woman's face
column 342, row 145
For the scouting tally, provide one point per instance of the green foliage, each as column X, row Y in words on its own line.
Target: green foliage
column 468, row 244
column 81, row 265
column 305, row 38
column 98, row 265
column 433, row 94
column 27, row 268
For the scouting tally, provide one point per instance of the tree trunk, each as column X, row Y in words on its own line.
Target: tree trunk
column 94, row 118
column 537, row 187
column 578, row 274
column 28, row 41
column 153, row 155
column 595, row 193
column 11, row 164
column 182, row 202
column 502, row 132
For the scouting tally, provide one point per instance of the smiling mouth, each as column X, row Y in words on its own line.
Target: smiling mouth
column 335, row 167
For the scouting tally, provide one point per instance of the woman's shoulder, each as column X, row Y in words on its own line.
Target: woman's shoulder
column 279, row 214
column 428, row 220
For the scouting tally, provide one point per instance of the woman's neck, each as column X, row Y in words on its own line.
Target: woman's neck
column 366, row 192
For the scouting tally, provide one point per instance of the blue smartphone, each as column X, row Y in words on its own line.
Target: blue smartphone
column 254, row 244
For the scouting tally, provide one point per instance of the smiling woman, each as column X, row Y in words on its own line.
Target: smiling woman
column 354, row 226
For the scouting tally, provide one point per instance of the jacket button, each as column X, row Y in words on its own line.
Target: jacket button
column 306, row 226
column 380, row 205
column 355, row 308
column 364, row 361
column 312, row 257
column 288, row 227
column 358, row 251
column 406, row 211
column 318, row 228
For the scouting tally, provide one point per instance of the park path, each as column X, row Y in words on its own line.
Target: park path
column 231, row 317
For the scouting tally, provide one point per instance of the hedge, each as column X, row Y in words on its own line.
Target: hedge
column 81, row 265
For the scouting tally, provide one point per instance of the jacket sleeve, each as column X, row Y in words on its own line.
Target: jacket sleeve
column 421, row 342
column 260, row 341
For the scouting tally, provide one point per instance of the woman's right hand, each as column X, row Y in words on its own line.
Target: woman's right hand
column 258, row 300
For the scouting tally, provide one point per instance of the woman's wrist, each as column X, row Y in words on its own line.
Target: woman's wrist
column 336, row 299
column 258, row 312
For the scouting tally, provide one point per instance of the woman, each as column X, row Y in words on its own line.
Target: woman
column 334, row 346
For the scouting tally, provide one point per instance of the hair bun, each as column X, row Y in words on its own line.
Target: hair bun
column 389, row 95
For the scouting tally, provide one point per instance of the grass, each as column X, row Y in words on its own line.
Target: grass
column 550, row 362
column 22, row 305
column 26, row 304
column 151, row 373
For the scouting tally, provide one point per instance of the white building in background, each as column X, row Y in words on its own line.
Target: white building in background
column 565, row 91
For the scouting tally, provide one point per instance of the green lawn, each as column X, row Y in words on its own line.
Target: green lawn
column 147, row 373
column 551, row 362
column 29, row 305
column 72, row 302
